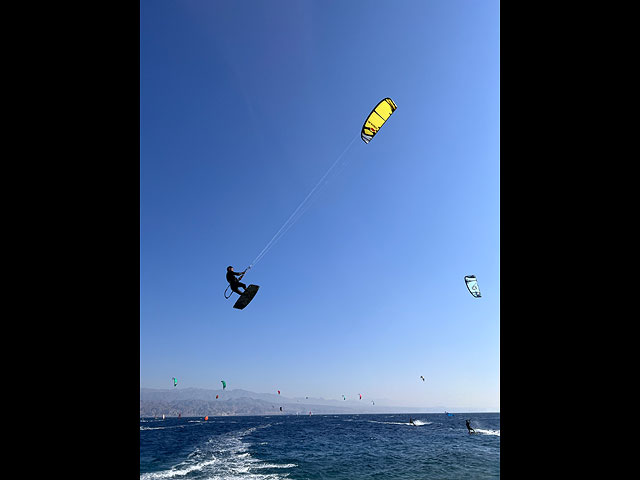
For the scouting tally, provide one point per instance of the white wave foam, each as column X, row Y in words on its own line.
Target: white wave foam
column 487, row 432
column 274, row 465
column 222, row 457
column 419, row 423
column 161, row 428
column 416, row 423
column 178, row 471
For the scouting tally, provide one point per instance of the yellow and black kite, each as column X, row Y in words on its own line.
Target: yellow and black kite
column 376, row 119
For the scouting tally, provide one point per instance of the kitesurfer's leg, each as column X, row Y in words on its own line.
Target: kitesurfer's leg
column 235, row 288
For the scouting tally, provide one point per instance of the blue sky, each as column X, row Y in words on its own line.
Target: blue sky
column 244, row 106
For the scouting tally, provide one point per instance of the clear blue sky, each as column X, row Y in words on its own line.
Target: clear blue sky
column 243, row 108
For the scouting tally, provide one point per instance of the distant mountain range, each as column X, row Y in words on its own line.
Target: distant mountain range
column 195, row 402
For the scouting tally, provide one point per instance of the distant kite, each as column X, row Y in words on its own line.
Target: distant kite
column 422, row 378
column 378, row 116
column 175, row 382
column 472, row 285
column 224, row 384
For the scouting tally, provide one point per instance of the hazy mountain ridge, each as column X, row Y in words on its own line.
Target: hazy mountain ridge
column 195, row 402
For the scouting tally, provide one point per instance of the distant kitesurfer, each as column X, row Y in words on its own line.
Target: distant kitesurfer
column 411, row 422
column 471, row 430
column 234, row 282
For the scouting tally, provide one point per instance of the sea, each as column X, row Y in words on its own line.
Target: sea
column 328, row 447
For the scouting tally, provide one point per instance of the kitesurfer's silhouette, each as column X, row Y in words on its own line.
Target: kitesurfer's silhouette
column 234, row 282
column 471, row 430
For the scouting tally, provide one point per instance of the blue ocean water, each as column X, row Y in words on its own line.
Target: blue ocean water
column 321, row 447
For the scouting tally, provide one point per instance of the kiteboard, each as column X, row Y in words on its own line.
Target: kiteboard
column 246, row 297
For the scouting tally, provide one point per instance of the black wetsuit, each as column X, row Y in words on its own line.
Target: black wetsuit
column 234, row 282
column 469, row 427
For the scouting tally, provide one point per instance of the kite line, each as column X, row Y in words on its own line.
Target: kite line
column 300, row 209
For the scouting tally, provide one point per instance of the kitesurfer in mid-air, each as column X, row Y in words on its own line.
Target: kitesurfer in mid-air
column 234, row 282
column 471, row 430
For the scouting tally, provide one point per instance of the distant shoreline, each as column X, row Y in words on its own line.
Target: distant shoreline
column 280, row 414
